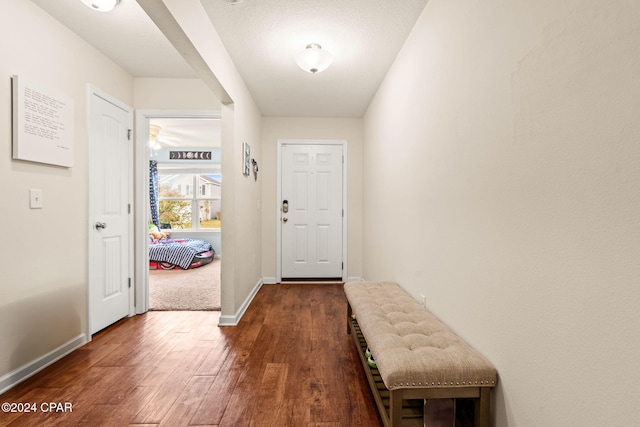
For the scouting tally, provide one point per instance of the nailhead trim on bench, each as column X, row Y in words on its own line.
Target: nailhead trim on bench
column 413, row 372
column 410, row 345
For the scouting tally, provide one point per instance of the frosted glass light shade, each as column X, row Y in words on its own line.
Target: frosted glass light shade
column 313, row 59
column 101, row 5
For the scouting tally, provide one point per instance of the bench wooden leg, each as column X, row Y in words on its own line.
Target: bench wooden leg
column 395, row 408
column 483, row 408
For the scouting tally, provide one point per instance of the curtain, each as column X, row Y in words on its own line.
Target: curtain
column 153, row 192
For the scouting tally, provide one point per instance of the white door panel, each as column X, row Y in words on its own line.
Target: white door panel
column 311, row 230
column 110, row 159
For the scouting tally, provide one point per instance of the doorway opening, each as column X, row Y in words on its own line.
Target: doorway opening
column 183, row 210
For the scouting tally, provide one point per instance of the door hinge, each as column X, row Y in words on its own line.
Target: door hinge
column 129, row 208
column 129, row 282
column 342, row 266
column 129, row 134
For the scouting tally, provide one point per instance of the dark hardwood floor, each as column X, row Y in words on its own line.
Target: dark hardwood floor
column 289, row 362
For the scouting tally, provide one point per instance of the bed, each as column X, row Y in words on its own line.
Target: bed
column 167, row 254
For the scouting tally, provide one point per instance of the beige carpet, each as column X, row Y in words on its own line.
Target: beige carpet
column 195, row 289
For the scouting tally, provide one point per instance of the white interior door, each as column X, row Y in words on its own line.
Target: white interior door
column 311, row 209
column 110, row 219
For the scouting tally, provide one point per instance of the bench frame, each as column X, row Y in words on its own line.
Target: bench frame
column 401, row 403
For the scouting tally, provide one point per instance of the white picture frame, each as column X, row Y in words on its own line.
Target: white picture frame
column 43, row 125
column 246, row 159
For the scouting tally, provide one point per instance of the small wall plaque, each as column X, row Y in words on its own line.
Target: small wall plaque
column 246, row 158
column 189, row 155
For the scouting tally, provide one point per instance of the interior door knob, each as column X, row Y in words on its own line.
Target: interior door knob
column 100, row 225
column 285, row 219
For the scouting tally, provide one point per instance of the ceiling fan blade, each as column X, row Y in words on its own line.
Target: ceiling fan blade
column 168, row 140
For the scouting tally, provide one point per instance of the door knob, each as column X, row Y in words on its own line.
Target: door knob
column 100, row 225
column 285, row 219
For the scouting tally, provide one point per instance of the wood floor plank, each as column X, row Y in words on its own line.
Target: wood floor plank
column 240, row 410
column 169, row 391
column 289, row 362
column 118, row 414
column 216, row 400
column 214, row 360
column 185, row 407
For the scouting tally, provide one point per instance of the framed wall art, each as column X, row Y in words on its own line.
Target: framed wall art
column 42, row 124
column 246, row 159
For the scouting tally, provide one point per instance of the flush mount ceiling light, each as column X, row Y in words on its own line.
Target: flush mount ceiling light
column 313, row 59
column 101, row 5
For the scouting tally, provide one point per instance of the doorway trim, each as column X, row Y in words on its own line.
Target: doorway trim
column 142, row 155
column 345, row 215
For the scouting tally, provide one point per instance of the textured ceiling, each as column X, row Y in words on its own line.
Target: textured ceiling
column 262, row 37
column 126, row 35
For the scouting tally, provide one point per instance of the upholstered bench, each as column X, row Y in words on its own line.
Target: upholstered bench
column 417, row 356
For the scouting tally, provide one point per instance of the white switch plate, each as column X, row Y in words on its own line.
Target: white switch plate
column 35, row 198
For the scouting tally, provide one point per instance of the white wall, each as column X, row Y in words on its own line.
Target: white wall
column 502, row 153
column 241, row 122
column 274, row 128
column 44, row 255
column 174, row 94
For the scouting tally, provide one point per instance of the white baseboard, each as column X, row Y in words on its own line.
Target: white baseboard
column 226, row 320
column 355, row 279
column 15, row 377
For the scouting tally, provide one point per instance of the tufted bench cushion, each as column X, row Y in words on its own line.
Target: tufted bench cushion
column 412, row 348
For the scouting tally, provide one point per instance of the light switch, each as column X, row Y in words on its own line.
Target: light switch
column 35, row 198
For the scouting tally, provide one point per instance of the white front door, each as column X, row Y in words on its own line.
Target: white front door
column 110, row 219
column 311, row 211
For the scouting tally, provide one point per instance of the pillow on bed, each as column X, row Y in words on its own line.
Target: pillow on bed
column 158, row 235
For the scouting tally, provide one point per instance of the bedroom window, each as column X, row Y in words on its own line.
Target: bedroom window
column 183, row 208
